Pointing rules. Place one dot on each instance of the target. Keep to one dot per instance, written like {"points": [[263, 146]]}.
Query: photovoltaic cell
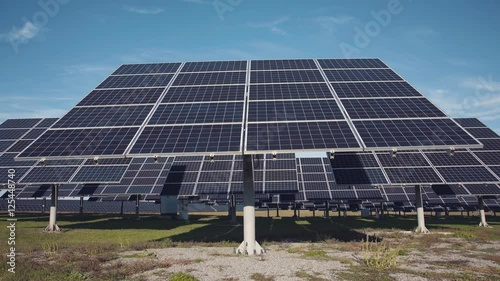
{"points": [[496, 170], [205, 94], [402, 160], [12, 134], [344, 194], [412, 175], [108, 116], [298, 136], [483, 189], [34, 134], [185, 139], [49, 175], [147, 68], [81, 142], [4, 145], [7, 160], [99, 173], [283, 64], [466, 174], [351, 63], [483, 133], [469, 122], [20, 145], [489, 158], [47, 122], [214, 66], [210, 78], [122, 96], [354, 160], [375, 90], [367, 194], [198, 113], [136, 81], [290, 91], [307, 110], [359, 176], [362, 75], [19, 123], [295, 76], [458, 159], [488, 144], [408, 133], [391, 108]]}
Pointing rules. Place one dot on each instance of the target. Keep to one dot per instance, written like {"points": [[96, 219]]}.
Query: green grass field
{"points": [[102, 236]]}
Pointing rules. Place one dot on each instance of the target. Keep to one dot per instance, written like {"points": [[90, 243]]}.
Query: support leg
{"points": [[483, 222], [420, 211], [327, 209], [121, 209], [81, 206], [277, 210], [249, 246], [53, 227], [314, 211], [298, 212], [137, 213], [232, 209], [294, 209]]}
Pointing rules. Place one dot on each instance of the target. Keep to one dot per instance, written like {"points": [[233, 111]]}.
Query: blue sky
{"points": [[51, 57]]}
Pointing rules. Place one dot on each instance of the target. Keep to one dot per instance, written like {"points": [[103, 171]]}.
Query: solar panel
{"points": [[135, 81], [391, 108], [99, 174], [46, 123], [4, 145], [214, 66], [205, 94], [470, 122], [402, 160], [466, 174], [283, 64], [483, 189], [107, 116], [295, 76], [362, 75], [351, 63], [20, 145], [458, 159], [344, 195], [49, 175], [210, 78], [34, 134], [483, 133], [122, 97], [375, 90], [12, 134], [412, 133], [147, 68], [198, 113], [19, 123], [359, 176], [496, 170], [489, 144], [369, 194], [290, 91], [354, 160], [489, 158], [412, 175], [307, 110]]}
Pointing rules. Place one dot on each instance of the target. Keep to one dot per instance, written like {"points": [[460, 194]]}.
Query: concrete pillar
{"points": [[53, 227], [420, 211], [249, 246], [483, 222]]}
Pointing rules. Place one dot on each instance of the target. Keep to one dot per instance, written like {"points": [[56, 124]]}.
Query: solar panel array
{"points": [[200, 108], [316, 180]]}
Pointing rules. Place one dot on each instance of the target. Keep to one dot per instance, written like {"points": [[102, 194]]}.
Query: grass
{"points": [[181, 276], [261, 277], [90, 241]]}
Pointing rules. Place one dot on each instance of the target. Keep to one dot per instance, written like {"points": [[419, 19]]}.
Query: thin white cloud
{"points": [[27, 32], [88, 69], [273, 26], [330, 23], [205, 2], [143, 11]]}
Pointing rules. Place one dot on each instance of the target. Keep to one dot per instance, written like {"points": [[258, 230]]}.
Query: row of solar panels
{"points": [[256, 107]]}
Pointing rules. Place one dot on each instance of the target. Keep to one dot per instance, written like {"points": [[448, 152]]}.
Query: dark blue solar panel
{"points": [[109, 116], [214, 176], [147, 68], [458, 159], [50, 174], [293, 136], [375, 89], [122, 96], [34, 134], [351, 63], [210, 78], [489, 158], [317, 195], [290, 91], [397, 198], [47, 122], [136, 81], [408, 133], [354, 160], [81, 142], [469, 122], [197, 113], [466, 174], [366, 194], [362, 75], [294, 110], [344, 194], [489, 144], [19, 123], [483, 189], [483, 133], [402, 160], [412, 175], [4, 145], [281, 187], [391, 108], [12, 134], [283, 64], [496, 170], [95, 174], [20, 145], [178, 139], [205, 94], [359, 176], [7, 160], [208, 66], [4, 174], [300, 76], [212, 188]]}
